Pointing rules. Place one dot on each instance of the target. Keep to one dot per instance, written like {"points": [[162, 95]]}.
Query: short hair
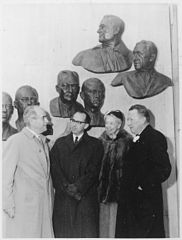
{"points": [[18, 92], [116, 22], [150, 46], [67, 74], [96, 80], [87, 117], [142, 110], [30, 111]]}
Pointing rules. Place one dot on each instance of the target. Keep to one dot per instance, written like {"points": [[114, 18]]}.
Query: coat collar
{"points": [[145, 132], [70, 142]]}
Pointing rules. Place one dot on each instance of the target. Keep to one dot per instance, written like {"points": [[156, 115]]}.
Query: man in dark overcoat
{"points": [[147, 165], [75, 166]]}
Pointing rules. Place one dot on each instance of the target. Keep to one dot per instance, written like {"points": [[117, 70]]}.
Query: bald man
{"points": [[144, 81], [68, 88], [93, 95], [25, 96], [112, 55], [7, 111]]}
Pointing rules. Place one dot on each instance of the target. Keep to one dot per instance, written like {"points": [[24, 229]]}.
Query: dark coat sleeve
{"points": [[157, 168], [57, 174], [91, 175]]}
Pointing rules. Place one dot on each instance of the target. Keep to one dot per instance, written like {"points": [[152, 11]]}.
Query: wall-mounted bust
{"points": [[25, 96], [112, 55], [68, 88], [7, 111], [144, 81], [93, 95]]}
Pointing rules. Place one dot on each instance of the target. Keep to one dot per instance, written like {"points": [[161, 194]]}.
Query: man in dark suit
{"points": [[147, 165], [144, 81], [75, 166]]}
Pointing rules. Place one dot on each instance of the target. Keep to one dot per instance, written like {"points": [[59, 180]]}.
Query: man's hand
{"points": [[73, 191], [72, 188], [10, 212]]}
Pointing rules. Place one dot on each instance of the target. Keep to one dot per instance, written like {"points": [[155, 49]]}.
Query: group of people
{"points": [[82, 186]]}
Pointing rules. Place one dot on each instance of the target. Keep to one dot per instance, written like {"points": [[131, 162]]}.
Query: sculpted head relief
{"points": [[111, 55]]}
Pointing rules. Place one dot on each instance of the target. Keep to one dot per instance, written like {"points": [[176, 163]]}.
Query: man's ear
{"points": [[82, 95], [116, 30], [152, 57], [86, 126], [16, 104], [57, 88]]}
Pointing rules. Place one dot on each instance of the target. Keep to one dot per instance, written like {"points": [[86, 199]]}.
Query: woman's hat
{"points": [[117, 113]]}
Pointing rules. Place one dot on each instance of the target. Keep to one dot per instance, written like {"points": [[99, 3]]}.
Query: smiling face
{"points": [[112, 125], [142, 57], [7, 108]]}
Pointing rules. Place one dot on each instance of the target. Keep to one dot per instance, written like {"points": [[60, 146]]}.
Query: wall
{"points": [[41, 39]]}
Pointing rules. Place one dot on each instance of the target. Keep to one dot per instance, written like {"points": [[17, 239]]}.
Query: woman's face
{"points": [[112, 124]]}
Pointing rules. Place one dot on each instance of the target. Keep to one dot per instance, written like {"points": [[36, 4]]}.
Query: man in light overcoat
{"points": [[27, 186]]}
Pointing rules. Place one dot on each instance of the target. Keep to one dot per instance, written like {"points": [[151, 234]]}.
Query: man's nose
{"points": [[69, 88], [98, 30], [46, 120], [29, 102]]}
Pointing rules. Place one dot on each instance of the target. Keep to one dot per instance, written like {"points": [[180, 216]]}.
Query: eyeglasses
{"points": [[6, 106], [75, 121]]}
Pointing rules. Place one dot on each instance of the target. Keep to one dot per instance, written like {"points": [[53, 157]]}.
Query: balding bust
{"points": [[112, 55], [144, 81]]}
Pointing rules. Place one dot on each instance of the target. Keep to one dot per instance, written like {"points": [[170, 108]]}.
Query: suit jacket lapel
{"points": [[38, 149]]}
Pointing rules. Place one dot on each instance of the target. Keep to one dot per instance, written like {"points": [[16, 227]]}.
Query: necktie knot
{"points": [[76, 140]]}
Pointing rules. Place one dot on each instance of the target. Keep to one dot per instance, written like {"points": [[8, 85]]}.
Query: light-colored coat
{"points": [[27, 186]]}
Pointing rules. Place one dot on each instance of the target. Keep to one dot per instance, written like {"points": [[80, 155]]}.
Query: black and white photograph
{"points": [[90, 119]]}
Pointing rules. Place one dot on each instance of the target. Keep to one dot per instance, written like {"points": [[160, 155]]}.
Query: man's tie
{"points": [[76, 140]]}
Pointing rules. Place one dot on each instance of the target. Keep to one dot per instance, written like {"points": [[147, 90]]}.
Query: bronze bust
{"points": [[93, 95], [144, 81], [68, 88], [112, 55], [7, 111], [25, 96]]}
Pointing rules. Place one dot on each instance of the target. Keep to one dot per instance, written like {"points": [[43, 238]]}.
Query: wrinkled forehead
{"points": [[6, 99], [26, 92], [69, 79]]}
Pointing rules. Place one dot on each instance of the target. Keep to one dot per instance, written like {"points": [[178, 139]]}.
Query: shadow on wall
{"points": [[168, 183]]}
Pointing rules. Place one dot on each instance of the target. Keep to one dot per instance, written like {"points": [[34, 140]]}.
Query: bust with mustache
{"points": [[68, 88]]}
